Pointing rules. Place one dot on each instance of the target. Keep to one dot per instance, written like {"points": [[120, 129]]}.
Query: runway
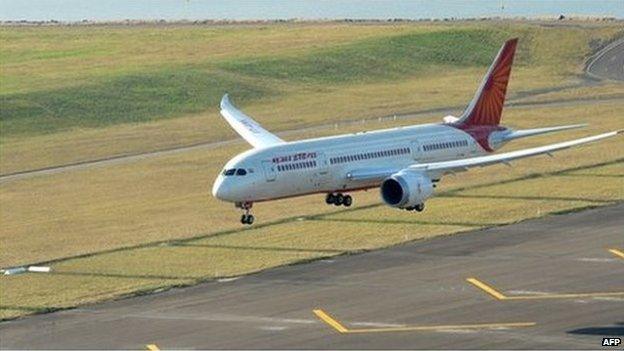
{"points": [[550, 283]]}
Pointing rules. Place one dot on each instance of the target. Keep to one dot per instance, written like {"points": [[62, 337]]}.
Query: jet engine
{"points": [[406, 189]]}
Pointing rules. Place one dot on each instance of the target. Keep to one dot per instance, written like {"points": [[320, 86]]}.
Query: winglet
{"points": [[246, 127], [225, 101]]}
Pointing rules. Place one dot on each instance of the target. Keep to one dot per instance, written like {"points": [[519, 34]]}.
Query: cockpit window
{"points": [[229, 172], [241, 172]]}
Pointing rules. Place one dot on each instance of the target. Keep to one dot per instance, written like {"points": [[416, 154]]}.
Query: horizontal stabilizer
{"points": [[516, 134]]}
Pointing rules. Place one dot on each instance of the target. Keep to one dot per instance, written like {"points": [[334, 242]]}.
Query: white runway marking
{"points": [[225, 280], [596, 259], [273, 328], [220, 317]]}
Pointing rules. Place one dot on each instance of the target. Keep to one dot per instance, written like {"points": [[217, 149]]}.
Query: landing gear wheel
{"points": [[247, 219], [330, 199], [420, 207], [338, 200], [347, 200]]}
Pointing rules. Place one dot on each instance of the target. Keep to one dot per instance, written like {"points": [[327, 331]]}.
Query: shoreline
{"points": [[225, 22]]}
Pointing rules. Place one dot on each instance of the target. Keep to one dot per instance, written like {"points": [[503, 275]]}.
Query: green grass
{"points": [[127, 99], [178, 90], [61, 79], [394, 57]]}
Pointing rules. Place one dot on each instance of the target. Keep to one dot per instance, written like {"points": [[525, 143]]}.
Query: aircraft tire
{"points": [[330, 199], [338, 200], [347, 201]]}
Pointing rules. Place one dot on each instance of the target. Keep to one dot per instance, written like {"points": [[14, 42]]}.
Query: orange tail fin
{"points": [[486, 107]]}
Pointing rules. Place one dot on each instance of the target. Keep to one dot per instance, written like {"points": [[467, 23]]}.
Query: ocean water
{"points": [[103, 10]]}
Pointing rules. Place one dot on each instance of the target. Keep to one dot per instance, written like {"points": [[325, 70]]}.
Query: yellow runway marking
{"points": [[488, 289], [500, 296], [329, 320], [152, 347], [344, 330], [617, 252]]}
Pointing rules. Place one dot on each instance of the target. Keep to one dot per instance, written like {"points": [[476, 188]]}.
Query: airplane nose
{"points": [[218, 190]]}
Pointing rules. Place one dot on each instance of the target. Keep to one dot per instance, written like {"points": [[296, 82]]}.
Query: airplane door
{"points": [[415, 150], [269, 170], [322, 164], [320, 178]]}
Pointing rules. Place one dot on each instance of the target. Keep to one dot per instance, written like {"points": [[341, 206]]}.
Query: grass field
{"points": [[72, 94]]}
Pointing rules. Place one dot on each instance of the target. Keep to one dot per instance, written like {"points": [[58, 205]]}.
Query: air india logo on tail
{"points": [[487, 107], [484, 113]]}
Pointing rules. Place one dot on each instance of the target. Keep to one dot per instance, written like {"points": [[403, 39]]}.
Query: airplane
{"points": [[405, 163]]}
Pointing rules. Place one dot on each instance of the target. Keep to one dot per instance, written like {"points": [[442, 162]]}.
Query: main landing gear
{"points": [[419, 208], [247, 217], [339, 199]]}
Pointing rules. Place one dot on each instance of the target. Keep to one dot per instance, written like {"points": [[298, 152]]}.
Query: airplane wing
{"points": [[481, 161], [437, 169], [246, 127]]}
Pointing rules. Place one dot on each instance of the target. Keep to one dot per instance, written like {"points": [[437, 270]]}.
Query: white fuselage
{"points": [[322, 165]]}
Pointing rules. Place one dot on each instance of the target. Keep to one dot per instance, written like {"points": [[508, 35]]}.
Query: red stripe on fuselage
{"points": [[481, 134]]}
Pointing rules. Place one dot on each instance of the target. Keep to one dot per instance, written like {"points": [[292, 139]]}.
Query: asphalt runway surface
{"points": [[609, 62], [549, 283]]}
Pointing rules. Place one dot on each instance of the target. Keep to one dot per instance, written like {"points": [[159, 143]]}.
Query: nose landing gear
{"points": [[339, 199], [419, 207], [247, 217]]}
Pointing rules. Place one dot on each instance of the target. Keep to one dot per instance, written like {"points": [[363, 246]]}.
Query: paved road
{"points": [[417, 284], [609, 62]]}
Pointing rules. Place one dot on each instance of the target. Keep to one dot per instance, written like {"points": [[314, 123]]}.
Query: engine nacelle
{"points": [[406, 188]]}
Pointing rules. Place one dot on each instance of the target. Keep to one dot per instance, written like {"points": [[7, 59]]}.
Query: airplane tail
{"points": [[486, 107]]}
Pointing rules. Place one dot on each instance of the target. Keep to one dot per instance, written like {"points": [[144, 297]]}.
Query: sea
{"points": [[246, 10]]}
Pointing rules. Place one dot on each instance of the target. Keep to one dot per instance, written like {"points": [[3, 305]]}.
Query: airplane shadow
{"points": [[614, 330]]}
